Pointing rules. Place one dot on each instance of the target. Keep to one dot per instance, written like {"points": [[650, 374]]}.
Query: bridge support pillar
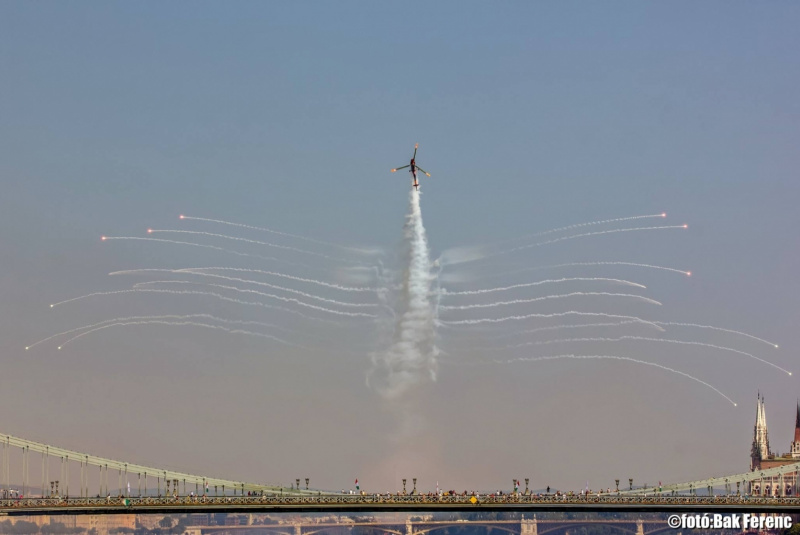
{"points": [[298, 529], [409, 527], [639, 527], [529, 526]]}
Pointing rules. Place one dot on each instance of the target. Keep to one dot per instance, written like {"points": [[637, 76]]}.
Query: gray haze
{"points": [[119, 117]]}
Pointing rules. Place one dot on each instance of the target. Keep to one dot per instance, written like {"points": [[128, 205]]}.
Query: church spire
{"points": [[760, 449], [796, 441], [797, 419]]}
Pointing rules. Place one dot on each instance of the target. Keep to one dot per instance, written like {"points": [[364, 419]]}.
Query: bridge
{"points": [[524, 526], [375, 503], [173, 492]]}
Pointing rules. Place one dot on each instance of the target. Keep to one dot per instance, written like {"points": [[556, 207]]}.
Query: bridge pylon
{"points": [[639, 527], [528, 526]]}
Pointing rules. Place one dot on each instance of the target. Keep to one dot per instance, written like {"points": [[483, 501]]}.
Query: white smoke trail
{"points": [[553, 315], [268, 285], [412, 354], [640, 338], [181, 323], [359, 250], [614, 357], [574, 264], [165, 316], [192, 292], [246, 240], [587, 234], [558, 328], [549, 297], [282, 288], [474, 256], [264, 294], [257, 271], [589, 224], [635, 264], [697, 326], [446, 293], [205, 246], [462, 277]]}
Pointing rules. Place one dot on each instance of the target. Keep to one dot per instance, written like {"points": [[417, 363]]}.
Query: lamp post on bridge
{"points": [[617, 483], [298, 484], [630, 482], [306, 483], [404, 486], [526, 484], [415, 485]]}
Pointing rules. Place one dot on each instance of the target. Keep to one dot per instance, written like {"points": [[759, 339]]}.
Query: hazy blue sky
{"points": [[118, 117]]}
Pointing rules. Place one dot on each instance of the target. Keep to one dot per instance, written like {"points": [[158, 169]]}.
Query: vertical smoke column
{"points": [[411, 356]]}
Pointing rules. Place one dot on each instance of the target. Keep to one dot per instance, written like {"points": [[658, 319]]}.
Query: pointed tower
{"points": [[760, 448], [765, 451], [796, 442]]}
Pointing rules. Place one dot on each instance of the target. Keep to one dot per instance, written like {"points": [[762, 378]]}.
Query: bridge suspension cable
{"points": [[725, 482], [164, 478]]}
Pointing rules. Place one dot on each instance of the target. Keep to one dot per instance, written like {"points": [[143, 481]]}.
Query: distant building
{"points": [[104, 523], [761, 457], [148, 521]]}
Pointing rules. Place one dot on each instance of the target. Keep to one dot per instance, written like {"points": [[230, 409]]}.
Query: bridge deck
{"points": [[374, 503]]}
